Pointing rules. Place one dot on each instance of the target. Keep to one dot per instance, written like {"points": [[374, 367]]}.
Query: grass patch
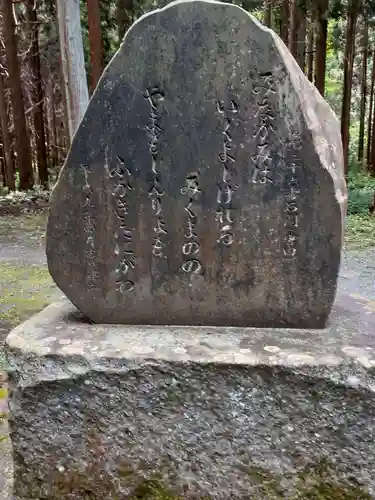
{"points": [[24, 291], [359, 232]]}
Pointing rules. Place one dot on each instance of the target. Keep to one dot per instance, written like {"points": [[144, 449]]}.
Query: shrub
{"points": [[361, 191]]}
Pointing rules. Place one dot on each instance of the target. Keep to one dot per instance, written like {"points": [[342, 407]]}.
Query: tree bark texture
{"points": [[7, 145], [267, 17], [73, 63], [96, 42], [22, 144], [37, 93], [371, 138], [353, 8], [122, 17], [321, 44], [371, 113], [362, 116], [301, 38], [284, 28], [311, 48], [293, 32]]}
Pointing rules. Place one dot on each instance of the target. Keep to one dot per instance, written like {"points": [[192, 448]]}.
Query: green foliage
{"points": [[361, 191]]}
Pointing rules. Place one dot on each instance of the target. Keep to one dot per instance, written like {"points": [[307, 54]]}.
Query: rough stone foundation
{"points": [[122, 412]]}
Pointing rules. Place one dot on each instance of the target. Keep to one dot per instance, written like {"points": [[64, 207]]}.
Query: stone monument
{"points": [[202, 200], [205, 184]]}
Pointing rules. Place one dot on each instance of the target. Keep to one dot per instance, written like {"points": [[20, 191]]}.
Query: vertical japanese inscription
{"points": [[291, 200], [122, 179], [262, 160], [191, 246], [89, 233], [225, 188], [155, 97]]}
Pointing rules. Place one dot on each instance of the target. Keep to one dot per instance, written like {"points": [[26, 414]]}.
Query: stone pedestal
{"points": [[125, 412]]}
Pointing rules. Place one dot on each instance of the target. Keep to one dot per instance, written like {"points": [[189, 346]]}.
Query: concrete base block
{"points": [[125, 412]]}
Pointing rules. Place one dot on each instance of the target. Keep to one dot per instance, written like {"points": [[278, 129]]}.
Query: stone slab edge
{"points": [[58, 343]]}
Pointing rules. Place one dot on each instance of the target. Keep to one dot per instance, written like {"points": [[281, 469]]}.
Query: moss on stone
{"points": [[153, 489], [316, 482]]}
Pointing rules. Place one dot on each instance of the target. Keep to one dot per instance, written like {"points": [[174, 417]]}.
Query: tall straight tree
{"points": [[37, 92], [122, 17], [310, 47], [284, 20], [73, 62], [293, 32], [362, 116], [22, 144], [371, 125], [371, 111], [301, 36], [267, 16], [7, 148], [96, 41], [353, 10], [321, 13]]}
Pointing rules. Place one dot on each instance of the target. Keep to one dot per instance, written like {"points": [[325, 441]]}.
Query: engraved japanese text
{"points": [[291, 201], [122, 180], [191, 246], [155, 97], [92, 274], [225, 187], [262, 159]]}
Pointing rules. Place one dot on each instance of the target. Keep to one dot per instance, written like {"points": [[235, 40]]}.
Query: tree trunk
{"points": [[96, 42], [22, 143], [371, 125], [7, 145], [123, 20], [65, 128], [301, 37], [2, 168], [73, 63], [46, 127], [310, 48], [371, 113], [37, 93], [353, 8], [52, 124], [362, 116], [321, 45], [284, 28], [293, 32], [267, 19], [371, 166]]}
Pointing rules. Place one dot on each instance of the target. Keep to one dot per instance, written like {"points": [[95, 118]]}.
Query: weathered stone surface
{"points": [[204, 185], [100, 411]]}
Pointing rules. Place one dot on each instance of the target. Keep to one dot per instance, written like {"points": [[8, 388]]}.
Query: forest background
{"points": [[333, 41]]}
